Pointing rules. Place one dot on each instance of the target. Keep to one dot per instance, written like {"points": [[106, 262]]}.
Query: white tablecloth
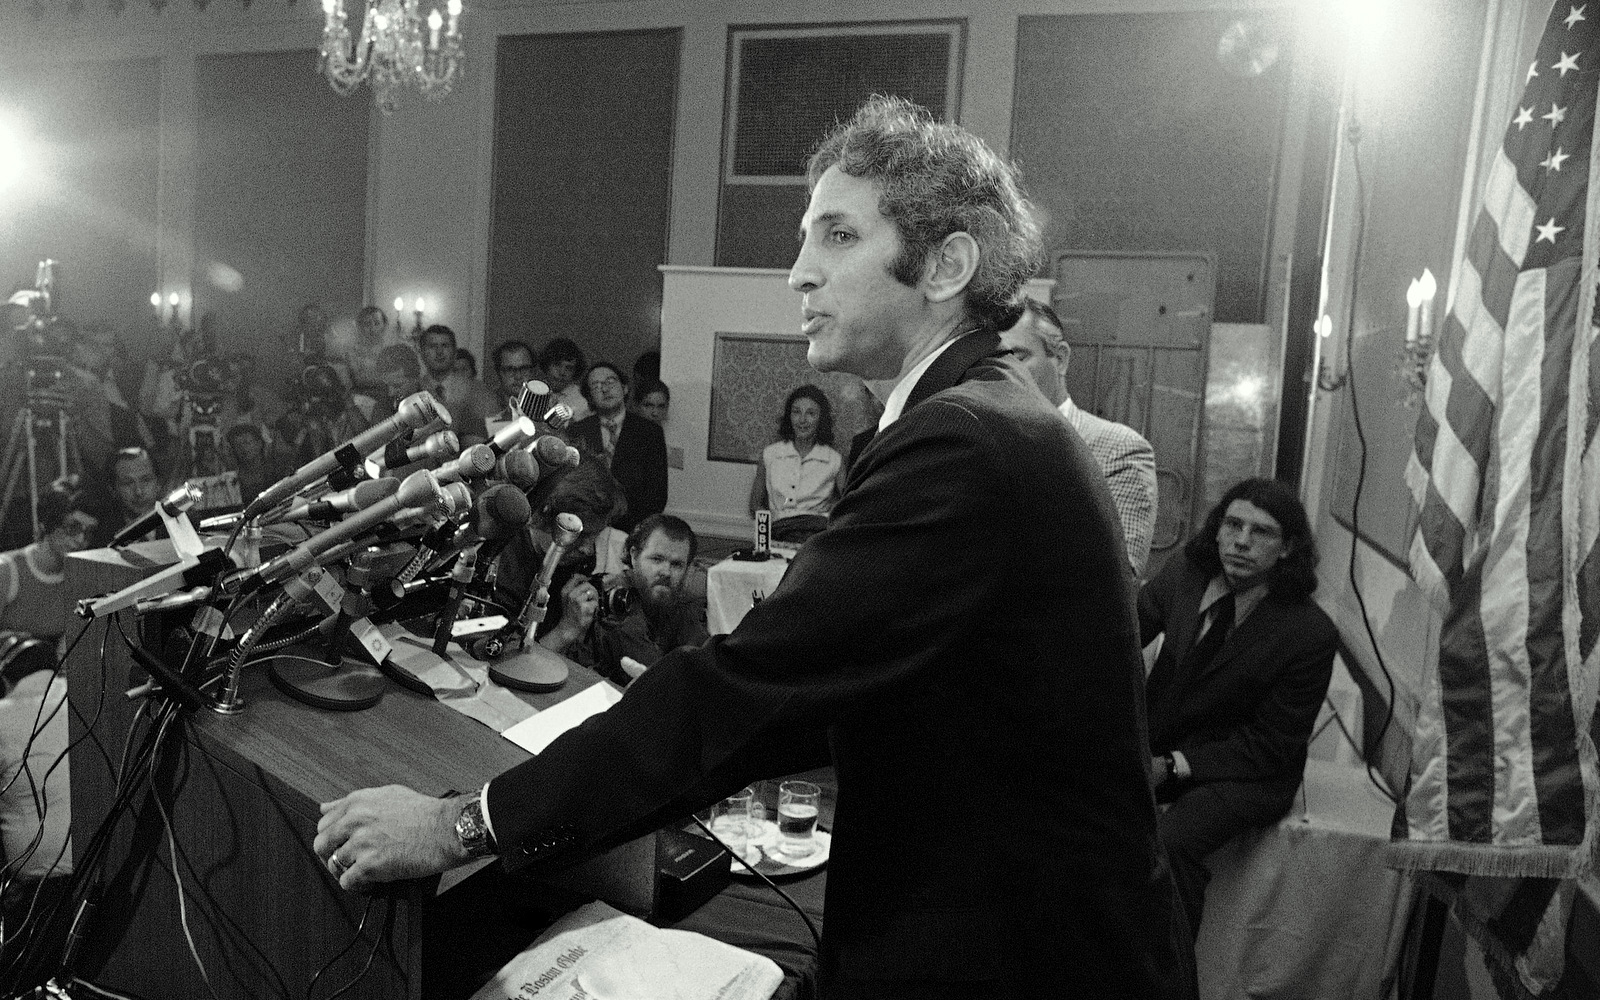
{"points": [[732, 586], [1307, 909]]}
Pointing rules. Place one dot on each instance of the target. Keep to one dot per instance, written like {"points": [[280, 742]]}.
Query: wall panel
{"points": [[582, 174], [280, 196]]}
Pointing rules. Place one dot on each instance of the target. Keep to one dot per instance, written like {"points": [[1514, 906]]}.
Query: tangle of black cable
{"points": [[128, 782], [1354, 136], [816, 937]]}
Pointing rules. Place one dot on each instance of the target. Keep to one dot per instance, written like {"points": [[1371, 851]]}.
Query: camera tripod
{"points": [[22, 452]]}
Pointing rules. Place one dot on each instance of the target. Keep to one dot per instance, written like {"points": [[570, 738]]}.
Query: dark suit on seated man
{"points": [[634, 448], [1240, 677]]}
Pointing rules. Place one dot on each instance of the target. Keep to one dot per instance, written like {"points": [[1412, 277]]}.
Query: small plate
{"points": [[761, 852]]}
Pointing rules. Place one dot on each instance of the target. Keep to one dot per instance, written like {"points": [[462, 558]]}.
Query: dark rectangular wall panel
{"points": [[280, 201], [582, 176], [84, 190], [1134, 136]]}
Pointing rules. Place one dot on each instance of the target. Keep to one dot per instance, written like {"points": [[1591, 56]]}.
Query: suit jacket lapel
{"points": [[948, 368]]}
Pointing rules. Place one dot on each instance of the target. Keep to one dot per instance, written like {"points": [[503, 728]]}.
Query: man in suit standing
{"points": [[1240, 677], [1126, 458], [995, 832], [633, 448]]}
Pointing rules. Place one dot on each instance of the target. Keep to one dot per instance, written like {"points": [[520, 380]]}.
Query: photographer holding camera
{"points": [[641, 622]]}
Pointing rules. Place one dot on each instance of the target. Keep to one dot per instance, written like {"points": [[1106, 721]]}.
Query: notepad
{"points": [[539, 731]]}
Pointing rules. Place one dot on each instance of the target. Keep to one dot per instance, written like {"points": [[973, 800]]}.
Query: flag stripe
{"points": [[1503, 597], [1468, 713], [1553, 736]]}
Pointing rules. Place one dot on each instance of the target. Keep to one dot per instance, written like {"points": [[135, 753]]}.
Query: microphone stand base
{"points": [[533, 669], [349, 686]]}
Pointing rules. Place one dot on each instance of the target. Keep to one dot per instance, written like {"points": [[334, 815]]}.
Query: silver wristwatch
{"points": [[471, 829]]}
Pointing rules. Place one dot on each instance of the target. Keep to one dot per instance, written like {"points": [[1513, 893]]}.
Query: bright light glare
{"points": [[1367, 26], [11, 157]]}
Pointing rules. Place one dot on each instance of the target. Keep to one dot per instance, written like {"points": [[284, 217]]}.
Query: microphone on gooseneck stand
{"points": [[513, 435], [419, 489], [460, 576], [435, 447], [178, 501], [414, 411], [532, 667], [473, 463], [358, 497]]}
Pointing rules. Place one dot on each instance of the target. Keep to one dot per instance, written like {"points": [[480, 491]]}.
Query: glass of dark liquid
{"points": [[798, 802]]}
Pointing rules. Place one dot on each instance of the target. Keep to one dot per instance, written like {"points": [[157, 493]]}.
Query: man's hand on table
{"points": [[386, 834]]}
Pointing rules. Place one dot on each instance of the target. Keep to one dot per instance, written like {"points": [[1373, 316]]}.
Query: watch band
{"points": [[471, 829]]}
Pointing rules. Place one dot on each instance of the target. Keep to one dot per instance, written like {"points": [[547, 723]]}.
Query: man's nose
{"points": [[803, 276]]}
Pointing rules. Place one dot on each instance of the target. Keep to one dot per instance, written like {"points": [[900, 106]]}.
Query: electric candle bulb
{"points": [[1428, 286], [172, 299], [435, 22], [419, 303], [155, 300], [1413, 311], [399, 305]]}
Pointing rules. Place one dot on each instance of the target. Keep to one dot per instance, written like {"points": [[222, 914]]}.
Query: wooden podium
{"points": [[243, 792]]}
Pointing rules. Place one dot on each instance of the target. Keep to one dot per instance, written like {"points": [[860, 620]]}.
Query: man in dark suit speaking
{"points": [[995, 832]]}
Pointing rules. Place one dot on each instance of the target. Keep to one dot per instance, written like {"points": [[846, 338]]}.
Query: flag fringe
{"points": [[1564, 862]]}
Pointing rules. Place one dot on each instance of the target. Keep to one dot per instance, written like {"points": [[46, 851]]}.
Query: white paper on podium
{"points": [[598, 953], [535, 733]]}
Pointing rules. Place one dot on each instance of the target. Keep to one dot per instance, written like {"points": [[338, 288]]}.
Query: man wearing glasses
{"points": [[1240, 677], [633, 448]]}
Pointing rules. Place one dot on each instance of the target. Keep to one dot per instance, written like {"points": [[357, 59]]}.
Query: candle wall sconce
{"points": [[418, 305], [1417, 351], [1328, 378]]}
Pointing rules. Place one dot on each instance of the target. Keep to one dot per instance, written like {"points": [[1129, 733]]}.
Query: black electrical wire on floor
{"points": [[1353, 134], [816, 937]]}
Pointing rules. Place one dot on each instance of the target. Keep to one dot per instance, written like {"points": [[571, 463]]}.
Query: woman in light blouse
{"points": [[801, 473]]}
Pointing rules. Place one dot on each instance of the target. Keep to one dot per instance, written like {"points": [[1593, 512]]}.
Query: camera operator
{"points": [[101, 417], [647, 618], [325, 415]]}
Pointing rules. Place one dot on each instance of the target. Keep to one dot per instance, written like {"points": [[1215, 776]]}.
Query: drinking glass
{"points": [[798, 802], [730, 820]]}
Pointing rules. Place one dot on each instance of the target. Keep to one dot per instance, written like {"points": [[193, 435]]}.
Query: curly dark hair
{"points": [[1295, 576], [587, 490], [824, 424], [939, 179]]}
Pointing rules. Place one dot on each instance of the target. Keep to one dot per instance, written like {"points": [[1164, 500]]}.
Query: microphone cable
{"points": [[816, 936]]}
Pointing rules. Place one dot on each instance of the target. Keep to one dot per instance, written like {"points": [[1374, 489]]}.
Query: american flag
{"points": [[1506, 478]]}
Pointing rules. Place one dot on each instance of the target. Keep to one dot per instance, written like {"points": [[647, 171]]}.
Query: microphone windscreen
{"points": [[502, 509], [370, 491], [551, 451], [520, 469]]}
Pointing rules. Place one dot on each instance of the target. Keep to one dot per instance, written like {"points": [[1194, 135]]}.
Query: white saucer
{"points": [[762, 853]]}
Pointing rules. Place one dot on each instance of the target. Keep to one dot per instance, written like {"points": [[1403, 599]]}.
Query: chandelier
{"points": [[396, 46]]}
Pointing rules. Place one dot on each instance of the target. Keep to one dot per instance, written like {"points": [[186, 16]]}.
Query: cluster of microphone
{"points": [[400, 509]]}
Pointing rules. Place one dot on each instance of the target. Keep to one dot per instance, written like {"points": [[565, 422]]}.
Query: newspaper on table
{"points": [[599, 953]]}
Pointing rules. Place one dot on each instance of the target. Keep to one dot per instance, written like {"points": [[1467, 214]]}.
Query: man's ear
{"points": [[950, 267]]}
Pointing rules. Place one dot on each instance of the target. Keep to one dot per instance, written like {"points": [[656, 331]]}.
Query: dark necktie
{"points": [[1200, 654]]}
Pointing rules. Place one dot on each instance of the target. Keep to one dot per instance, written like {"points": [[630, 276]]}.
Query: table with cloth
{"points": [[734, 585], [1307, 907]]}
